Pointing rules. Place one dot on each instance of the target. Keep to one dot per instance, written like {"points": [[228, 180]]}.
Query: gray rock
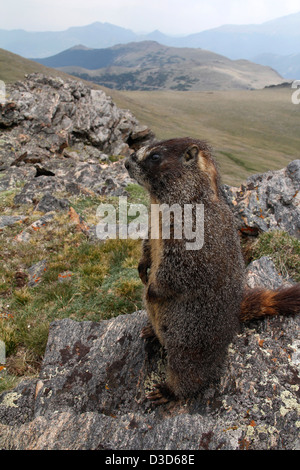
{"points": [[9, 220], [50, 203], [74, 179], [57, 134], [65, 276], [13, 177], [58, 116], [90, 393], [25, 235], [36, 272], [262, 273], [268, 201]]}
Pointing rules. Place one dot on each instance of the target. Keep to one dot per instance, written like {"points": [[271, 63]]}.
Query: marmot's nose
{"points": [[132, 157]]}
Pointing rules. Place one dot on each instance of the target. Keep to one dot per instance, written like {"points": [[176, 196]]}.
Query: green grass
{"points": [[104, 281], [282, 248], [14, 67], [137, 194]]}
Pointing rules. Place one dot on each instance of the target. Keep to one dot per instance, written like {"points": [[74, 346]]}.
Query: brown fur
{"points": [[259, 303], [195, 299], [206, 166]]}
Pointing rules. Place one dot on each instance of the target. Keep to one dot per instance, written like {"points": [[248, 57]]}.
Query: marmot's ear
{"points": [[191, 153]]}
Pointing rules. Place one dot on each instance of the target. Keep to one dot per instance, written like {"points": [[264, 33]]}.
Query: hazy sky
{"points": [[169, 16]]}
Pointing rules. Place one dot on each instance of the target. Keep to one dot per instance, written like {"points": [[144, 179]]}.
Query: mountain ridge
{"points": [[149, 65], [278, 36]]}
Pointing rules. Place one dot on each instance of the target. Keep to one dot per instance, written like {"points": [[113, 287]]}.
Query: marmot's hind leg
{"points": [[178, 385], [186, 377], [161, 394]]}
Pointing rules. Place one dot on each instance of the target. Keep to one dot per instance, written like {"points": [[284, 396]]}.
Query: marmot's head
{"points": [[177, 170]]}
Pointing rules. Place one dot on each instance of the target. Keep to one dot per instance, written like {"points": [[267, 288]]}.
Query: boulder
{"points": [[49, 203], [269, 201], [53, 113], [90, 393], [262, 273], [63, 131], [9, 220]]}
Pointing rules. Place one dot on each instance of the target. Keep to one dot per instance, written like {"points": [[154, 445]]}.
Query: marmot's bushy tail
{"points": [[259, 302]]}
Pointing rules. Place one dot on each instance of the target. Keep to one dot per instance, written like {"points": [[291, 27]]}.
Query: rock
{"points": [[12, 177], [90, 393], [25, 235], [17, 406], [262, 273], [50, 203], [57, 134], [78, 221], [66, 276], [268, 201], [81, 178], [9, 220], [36, 272], [61, 115]]}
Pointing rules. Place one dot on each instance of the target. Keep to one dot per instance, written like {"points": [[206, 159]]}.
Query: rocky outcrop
{"points": [[90, 393], [269, 201], [57, 136]]}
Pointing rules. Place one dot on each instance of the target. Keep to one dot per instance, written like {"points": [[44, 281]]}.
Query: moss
{"points": [[137, 194]]}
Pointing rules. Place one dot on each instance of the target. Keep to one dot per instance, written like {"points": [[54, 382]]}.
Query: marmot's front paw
{"points": [[152, 293], [143, 272], [147, 332]]}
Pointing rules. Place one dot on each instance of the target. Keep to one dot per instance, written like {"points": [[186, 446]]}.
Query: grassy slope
{"points": [[104, 281], [250, 131], [14, 67]]}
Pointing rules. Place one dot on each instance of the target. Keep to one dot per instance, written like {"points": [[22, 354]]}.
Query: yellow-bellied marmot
{"points": [[195, 299]]}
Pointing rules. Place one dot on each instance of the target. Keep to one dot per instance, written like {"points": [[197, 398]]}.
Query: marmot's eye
{"points": [[155, 157]]}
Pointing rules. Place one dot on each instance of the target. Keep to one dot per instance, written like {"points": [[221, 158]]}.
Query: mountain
{"points": [[280, 36], [149, 65], [287, 65], [277, 37], [42, 44]]}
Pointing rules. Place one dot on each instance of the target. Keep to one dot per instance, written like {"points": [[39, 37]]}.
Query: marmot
{"points": [[195, 299]]}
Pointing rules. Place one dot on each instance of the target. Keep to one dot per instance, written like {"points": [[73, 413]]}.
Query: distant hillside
{"points": [[250, 131], [149, 65], [14, 67]]}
